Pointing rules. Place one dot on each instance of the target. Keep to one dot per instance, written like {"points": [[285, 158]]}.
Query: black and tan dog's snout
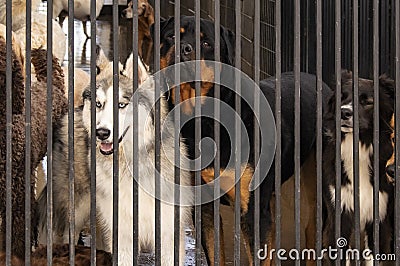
{"points": [[390, 172], [103, 133], [187, 51], [347, 113]]}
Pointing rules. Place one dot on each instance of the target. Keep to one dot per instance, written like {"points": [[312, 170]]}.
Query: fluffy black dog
{"points": [[366, 155]]}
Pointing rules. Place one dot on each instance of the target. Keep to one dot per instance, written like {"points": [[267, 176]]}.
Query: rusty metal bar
{"points": [[157, 136], [278, 119], [217, 131], [115, 189], [256, 46], [297, 137], [8, 132], [71, 142], [28, 216], [49, 132], [397, 130], [238, 133], [135, 149], [93, 219], [356, 133], [197, 136], [376, 126], [338, 168], [318, 243], [177, 117]]}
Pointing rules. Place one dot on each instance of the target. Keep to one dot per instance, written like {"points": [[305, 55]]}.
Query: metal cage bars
{"points": [[278, 67]]}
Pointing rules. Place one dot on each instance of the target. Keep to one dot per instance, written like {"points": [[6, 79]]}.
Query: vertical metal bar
{"points": [[71, 132], [397, 125], [93, 236], [392, 43], [49, 132], [278, 118], [135, 51], [297, 122], [28, 217], [356, 133], [157, 135], [256, 48], [9, 169], [338, 74], [319, 128], [376, 126], [115, 32], [197, 136], [217, 130], [238, 133], [177, 132]]}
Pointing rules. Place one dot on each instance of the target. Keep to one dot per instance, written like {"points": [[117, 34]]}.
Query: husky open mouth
{"points": [[106, 148]]}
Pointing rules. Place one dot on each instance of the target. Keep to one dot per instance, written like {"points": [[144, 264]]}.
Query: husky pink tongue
{"points": [[106, 146]]}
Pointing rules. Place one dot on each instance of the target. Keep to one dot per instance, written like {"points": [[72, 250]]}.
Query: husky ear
{"points": [[229, 39], [388, 85], [143, 73], [163, 24]]}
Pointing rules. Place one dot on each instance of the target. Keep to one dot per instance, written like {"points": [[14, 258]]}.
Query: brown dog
{"points": [[145, 20]]}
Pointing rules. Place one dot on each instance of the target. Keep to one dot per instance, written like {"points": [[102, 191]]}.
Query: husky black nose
{"points": [[102, 133], [186, 49], [390, 170], [347, 113]]}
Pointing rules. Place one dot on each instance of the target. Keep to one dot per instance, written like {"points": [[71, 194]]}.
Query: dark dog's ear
{"points": [[163, 24], [387, 84], [149, 11], [229, 39]]}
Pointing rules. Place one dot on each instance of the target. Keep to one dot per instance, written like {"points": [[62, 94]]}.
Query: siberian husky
{"points": [[146, 167], [146, 177]]}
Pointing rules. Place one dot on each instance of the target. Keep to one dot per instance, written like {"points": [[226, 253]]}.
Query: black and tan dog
{"points": [[187, 91]]}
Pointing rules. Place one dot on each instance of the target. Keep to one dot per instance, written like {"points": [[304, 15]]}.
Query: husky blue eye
{"points": [[98, 104], [122, 105]]}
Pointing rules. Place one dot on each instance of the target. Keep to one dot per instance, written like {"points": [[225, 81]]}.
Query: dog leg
{"points": [[248, 228], [167, 236], [207, 234]]}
